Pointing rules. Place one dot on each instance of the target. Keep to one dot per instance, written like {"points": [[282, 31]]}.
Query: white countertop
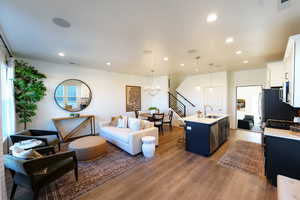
{"points": [[203, 120], [275, 132], [288, 189]]}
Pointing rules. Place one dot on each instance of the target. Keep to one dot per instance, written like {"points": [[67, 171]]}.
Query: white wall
{"points": [[251, 95], [275, 74], [196, 89], [242, 78], [175, 81], [108, 92]]}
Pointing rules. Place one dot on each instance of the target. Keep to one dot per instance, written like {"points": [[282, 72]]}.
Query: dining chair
{"points": [[169, 118], [136, 112], [158, 120]]}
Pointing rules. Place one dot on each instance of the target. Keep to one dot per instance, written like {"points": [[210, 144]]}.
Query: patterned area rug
{"points": [[245, 156], [91, 175]]}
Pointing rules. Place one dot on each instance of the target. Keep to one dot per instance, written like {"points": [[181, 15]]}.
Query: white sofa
{"points": [[127, 139]]}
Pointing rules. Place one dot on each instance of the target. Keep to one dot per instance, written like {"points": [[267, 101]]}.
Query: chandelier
{"points": [[153, 89]]}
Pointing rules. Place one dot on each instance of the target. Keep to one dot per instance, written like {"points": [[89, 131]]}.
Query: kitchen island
{"points": [[205, 135], [281, 154]]}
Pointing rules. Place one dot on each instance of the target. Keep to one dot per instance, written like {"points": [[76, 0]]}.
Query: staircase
{"points": [[185, 99], [176, 105], [180, 104]]}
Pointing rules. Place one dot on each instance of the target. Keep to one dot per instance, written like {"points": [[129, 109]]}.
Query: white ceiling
{"points": [[119, 31]]}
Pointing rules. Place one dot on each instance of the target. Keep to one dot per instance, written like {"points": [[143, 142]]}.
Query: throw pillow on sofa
{"points": [[114, 121], [147, 124], [134, 124], [122, 122]]}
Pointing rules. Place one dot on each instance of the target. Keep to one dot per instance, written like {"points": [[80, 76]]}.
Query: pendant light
{"points": [[153, 89]]}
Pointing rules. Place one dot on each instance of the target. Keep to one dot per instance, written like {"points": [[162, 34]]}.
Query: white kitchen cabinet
{"points": [[214, 96], [292, 71], [275, 74]]}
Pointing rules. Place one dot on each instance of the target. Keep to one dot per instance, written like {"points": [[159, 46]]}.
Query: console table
{"points": [[66, 135]]}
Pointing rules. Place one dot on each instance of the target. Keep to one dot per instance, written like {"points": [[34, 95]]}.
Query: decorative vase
{"points": [[148, 150], [199, 114], [148, 147]]}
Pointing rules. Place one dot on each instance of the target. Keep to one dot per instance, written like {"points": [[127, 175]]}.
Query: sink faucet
{"points": [[205, 109]]}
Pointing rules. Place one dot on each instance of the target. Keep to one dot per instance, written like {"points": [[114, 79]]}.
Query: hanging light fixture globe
{"points": [[153, 89]]}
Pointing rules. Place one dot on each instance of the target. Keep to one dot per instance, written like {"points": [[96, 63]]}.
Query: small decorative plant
{"points": [[29, 89], [152, 108]]}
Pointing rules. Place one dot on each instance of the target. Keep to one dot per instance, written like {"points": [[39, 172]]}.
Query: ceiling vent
{"points": [[61, 22], [282, 4]]}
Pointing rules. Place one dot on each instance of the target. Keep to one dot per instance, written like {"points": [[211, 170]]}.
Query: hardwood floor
{"points": [[177, 174]]}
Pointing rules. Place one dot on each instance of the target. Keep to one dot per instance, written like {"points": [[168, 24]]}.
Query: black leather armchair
{"points": [[39, 172], [247, 122], [49, 138]]}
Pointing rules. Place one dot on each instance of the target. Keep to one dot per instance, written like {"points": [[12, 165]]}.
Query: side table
{"points": [[148, 146]]}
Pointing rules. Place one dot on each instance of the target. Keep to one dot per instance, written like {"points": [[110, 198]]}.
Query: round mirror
{"points": [[73, 95]]}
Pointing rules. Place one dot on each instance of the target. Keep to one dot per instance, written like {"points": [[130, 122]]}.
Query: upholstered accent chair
{"points": [[247, 122], [49, 138], [37, 173]]}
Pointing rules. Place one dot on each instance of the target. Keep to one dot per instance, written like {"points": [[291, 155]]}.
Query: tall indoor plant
{"points": [[29, 89]]}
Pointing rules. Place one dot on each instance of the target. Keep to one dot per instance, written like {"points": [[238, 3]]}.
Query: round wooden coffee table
{"points": [[88, 148]]}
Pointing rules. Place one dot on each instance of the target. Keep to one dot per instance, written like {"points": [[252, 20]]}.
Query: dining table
{"points": [[147, 116]]}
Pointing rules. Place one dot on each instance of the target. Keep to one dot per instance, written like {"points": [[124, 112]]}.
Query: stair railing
{"points": [[177, 105], [185, 99]]}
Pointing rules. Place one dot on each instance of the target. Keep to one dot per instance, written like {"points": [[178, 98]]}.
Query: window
{"points": [[72, 91], [7, 98], [60, 95]]}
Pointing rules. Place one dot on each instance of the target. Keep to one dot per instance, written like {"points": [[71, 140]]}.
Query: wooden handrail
{"points": [[186, 99]]}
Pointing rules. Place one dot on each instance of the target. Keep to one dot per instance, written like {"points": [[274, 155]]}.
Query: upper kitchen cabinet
{"points": [[291, 89], [275, 74]]}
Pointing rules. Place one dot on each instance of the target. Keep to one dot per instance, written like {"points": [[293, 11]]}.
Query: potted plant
{"points": [[29, 90], [152, 109]]}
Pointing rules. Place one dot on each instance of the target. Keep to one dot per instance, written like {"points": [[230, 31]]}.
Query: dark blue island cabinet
{"points": [[205, 138], [282, 157]]}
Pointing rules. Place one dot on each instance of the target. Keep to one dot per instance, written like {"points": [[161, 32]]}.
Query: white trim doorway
{"points": [[248, 107]]}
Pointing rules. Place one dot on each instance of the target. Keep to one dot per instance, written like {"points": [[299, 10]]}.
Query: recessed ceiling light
{"points": [[165, 58], [239, 52], [229, 40], [108, 63], [197, 70], [245, 61], [182, 64], [212, 17], [61, 54]]}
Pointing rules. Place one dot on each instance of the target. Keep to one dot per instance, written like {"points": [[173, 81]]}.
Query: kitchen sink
{"points": [[212, 116]]}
